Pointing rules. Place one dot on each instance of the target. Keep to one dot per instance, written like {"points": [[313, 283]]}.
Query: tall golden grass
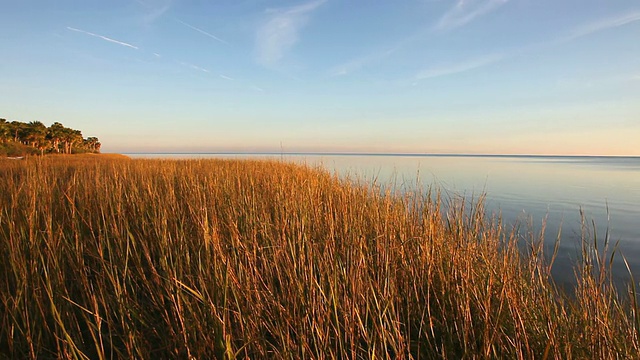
{"points": [[263, 259]]}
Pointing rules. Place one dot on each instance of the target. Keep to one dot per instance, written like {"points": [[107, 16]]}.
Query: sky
{"points": [[406, 76]]}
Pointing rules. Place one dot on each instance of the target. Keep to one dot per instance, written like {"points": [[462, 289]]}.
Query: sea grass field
{"points": [[320, 179], [106, 257], [569, 198]]}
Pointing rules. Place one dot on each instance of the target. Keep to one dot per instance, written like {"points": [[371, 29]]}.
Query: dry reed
{"points": [[264, 259]]}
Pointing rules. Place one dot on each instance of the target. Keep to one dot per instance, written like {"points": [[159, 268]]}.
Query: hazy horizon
{"points": [[417, 76], [356, 153]]}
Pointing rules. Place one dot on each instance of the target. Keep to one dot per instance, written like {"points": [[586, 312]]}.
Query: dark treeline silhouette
{"points": [[20, 138]]}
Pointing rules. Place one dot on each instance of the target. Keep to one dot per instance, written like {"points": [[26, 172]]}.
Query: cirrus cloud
{"points": [[459, 67], [465, 11], [603, 24], [280, 32]]}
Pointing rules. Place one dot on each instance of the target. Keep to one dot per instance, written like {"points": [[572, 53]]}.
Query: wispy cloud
{"points": [[575, 33], [155, 9], [201, 31], [601, 25], [358, 63], [465, 11], [281, 31], [226, 77], [464, 66], [583, 31], [103, 38], [257, 88]]}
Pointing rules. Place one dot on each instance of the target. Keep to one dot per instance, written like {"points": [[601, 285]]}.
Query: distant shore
{"points": [[102, 156], [275, 153]]}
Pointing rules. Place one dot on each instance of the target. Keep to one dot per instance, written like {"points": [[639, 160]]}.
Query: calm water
{"points": [[524, 189]]}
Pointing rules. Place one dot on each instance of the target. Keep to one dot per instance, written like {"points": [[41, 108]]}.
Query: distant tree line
{"points": [[18, 137]]}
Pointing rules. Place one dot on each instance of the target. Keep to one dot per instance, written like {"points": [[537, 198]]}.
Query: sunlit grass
{"points": [[262, 259]]}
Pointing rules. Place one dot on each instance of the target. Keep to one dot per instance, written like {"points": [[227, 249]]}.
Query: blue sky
{"points": [[435, 76]]}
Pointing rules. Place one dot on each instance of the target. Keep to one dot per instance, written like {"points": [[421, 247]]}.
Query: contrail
{"points": [[201, 31], [103, 38], [194, 67]]}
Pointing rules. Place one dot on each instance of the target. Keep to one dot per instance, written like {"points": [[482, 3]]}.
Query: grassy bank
{"points": [[223, 259], [16, 149]]}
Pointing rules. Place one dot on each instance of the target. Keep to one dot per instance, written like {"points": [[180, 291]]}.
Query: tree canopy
{"points": [[21, 138]]}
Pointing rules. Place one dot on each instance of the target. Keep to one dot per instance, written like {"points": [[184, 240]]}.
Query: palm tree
{"points": [[56, 137], [16, 129], [55, 134], [92, 144], [70, 139], [35, 133]]}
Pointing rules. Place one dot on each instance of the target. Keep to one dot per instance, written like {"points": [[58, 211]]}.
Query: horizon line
{"points": [[347, 153]]}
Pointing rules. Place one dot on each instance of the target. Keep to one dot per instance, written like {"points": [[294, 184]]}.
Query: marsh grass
{"points": [[263, 259]]}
